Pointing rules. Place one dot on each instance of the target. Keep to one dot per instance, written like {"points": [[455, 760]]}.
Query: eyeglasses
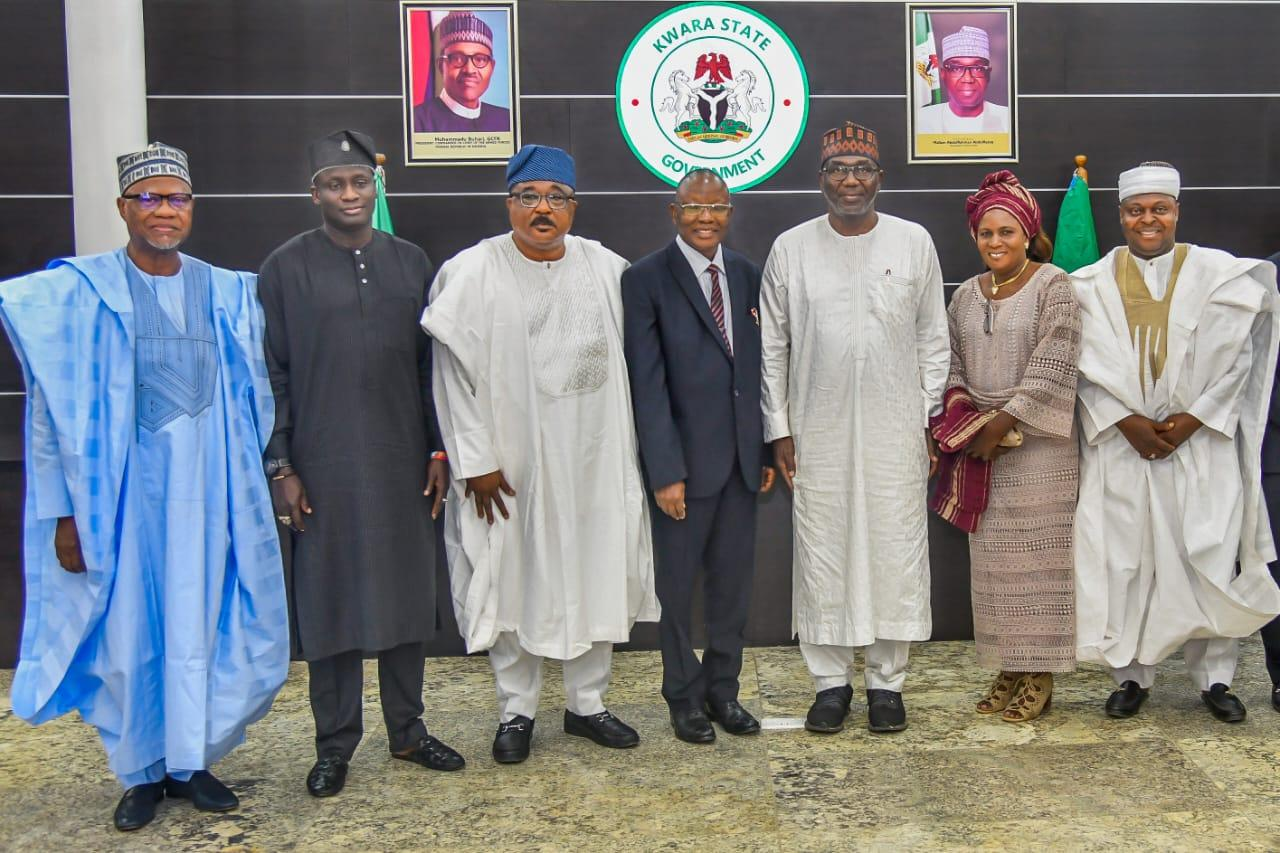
{"points": [[555, 200], [152, 201], [975, 71], [693, 211], [459, 60], [838, 172]]}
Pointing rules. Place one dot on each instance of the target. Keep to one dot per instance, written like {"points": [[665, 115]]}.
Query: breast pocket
{"points": [[893, 297]]}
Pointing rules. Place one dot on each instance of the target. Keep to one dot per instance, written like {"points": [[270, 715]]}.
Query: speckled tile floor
{"points": [[1170, 779]]}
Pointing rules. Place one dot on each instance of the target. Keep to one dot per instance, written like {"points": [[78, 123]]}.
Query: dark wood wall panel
{"points": [[336, 64], [46, 131], [12, 490], [1103, 47], [34, 59], [33, 231]]}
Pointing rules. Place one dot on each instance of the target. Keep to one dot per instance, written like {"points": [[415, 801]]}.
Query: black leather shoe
{"points": [[1126, 701], [137, 807], [511, 745], [1223, 704], [204, 791], [433, 754], [603, 728], [328, 776], [826, 714], [692, 726], [885, 711], [732, 717], [1275, 696]]}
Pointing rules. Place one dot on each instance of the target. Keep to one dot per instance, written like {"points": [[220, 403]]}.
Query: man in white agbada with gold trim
{"points": [[855, 355], [1177, 358], [547, 531]]}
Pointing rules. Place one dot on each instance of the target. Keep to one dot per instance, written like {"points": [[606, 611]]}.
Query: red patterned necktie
{"points": [[717, 304]]}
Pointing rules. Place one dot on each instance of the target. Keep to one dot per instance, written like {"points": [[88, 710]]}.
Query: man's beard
{"points": [[172, 247]]}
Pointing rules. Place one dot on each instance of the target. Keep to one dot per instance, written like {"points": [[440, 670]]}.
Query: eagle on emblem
{"points": [[714, 64], [714, 106]]}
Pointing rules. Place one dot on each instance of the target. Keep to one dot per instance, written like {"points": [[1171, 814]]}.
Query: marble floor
{"points": [[1172, 778]]}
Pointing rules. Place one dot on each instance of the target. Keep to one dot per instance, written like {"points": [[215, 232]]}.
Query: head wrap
{"points": [[967, 41], [341, 148], [1150, 178], [157, 160], [850, 139], [541, 163], [1003, 190], [463, 26]]}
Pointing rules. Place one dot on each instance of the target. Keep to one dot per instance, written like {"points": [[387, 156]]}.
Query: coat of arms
{"points": [[715, 106]]}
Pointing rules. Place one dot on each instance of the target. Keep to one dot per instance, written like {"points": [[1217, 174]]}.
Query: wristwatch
{"points": [[273, 466]]}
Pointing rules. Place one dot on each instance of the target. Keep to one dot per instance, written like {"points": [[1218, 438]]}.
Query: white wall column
{"points": [[107, 84]]}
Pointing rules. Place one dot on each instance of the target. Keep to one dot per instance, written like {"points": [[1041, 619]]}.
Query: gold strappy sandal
{"points": [[1000, 694], [1035, 694]]}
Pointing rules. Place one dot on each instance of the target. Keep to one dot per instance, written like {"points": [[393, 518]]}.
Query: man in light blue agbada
{"points": [[155, 596]]}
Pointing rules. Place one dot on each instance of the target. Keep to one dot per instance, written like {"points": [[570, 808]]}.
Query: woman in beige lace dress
{"points": [[1015, 337]]}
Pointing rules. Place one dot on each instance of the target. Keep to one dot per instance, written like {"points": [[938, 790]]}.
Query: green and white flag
{"points": [[381, 211], [1076, 243], [925, 62]]}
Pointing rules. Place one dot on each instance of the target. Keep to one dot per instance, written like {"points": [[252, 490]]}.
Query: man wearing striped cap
{"points": [[465, 63], [855, 355], [155, 598], [966, 73], [547, 534]]}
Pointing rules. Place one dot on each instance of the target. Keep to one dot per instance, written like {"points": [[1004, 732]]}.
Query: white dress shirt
{"points": [[700, 262], [457, 108], [1155, 273]]}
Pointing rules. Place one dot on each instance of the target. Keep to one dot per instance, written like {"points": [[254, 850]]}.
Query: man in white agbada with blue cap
{"points": [[1177, 357], [155, 594], [965, 68], [547, 531]]}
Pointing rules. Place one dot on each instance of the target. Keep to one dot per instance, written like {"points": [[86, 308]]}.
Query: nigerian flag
{"points": [[1076, 243], [925, 62], [381, 212]]}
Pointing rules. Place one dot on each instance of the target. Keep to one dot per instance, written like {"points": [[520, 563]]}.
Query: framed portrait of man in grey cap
{"points": [[961, 83], [461, 90]]}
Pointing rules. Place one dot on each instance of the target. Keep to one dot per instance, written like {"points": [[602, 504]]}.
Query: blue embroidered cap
{"points": [[541, 163]]}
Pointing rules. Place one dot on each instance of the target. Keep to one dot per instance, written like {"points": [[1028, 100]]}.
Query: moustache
{"points": [[542, 220]]}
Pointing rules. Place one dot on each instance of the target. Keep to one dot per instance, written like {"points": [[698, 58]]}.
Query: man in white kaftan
{"points": [[1176, 364], [855, 357], [554, 560]]}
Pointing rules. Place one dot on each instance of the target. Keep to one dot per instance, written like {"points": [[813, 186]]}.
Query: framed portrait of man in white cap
{"points": [[961, 83], [461, 96]]}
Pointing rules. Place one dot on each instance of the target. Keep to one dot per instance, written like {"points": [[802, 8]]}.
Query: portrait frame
{"points": [[440, 130], [939, 131]]}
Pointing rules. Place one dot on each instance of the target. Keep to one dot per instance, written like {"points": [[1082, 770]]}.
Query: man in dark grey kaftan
{"points": [[351, 463]]}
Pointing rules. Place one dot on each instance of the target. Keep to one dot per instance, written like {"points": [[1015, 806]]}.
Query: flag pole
{"points": [[381, 210]]}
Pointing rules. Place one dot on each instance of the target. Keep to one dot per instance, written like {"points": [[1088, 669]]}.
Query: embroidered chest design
{"points": [[176, 371]]}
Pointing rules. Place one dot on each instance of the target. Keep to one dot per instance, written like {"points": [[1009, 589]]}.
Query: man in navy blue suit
{"points": [[1271, 491], [692, 341]]}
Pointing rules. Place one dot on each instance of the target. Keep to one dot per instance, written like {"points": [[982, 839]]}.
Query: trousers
{"points": [[517, 674], [337, 692], [886, 664]]}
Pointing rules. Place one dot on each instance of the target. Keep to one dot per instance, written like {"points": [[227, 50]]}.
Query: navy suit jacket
{"points": [[697, 408], [1271, 437]]}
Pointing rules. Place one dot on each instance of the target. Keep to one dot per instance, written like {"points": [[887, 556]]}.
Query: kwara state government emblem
{"points": [[714, 107], [716, 86]]}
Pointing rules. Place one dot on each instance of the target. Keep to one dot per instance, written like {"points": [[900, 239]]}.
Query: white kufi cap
{"points": [[967, 41], [1144, 179]]}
